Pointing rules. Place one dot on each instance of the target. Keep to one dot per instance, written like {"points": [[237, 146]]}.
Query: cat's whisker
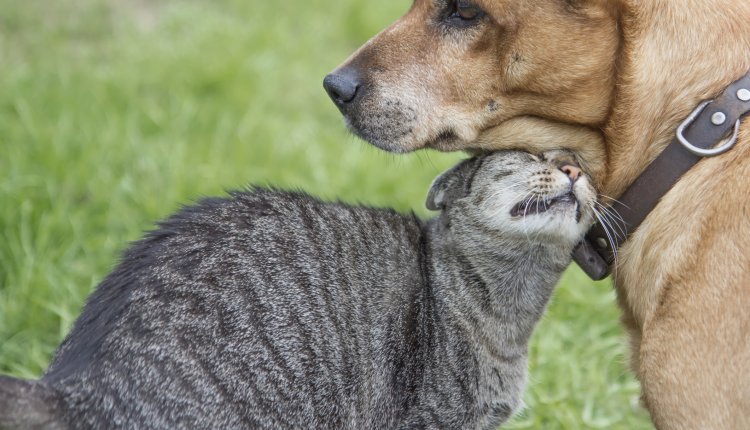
{"points": [[538, 199], [610, 210], [528, 195], [608, 227], [612, 199], [497, 193], [599, 218], [615, 219], [514, 185], [606, 230]]}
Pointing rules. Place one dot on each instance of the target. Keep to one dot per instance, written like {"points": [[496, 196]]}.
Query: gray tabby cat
{"points": [[274, 310]]}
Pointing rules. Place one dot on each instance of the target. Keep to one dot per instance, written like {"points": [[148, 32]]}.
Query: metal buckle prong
{"points": [[701, 152]]}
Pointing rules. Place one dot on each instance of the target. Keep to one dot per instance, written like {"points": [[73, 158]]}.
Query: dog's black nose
{"points": [[342, 86]]}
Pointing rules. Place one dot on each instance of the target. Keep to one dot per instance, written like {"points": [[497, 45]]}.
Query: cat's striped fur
{"points": [[274, 310]]}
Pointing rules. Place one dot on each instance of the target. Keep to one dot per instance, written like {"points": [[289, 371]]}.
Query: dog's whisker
{"points": [[429, 160]]}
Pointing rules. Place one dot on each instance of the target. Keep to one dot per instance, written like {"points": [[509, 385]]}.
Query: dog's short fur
{"points": [[622, 73]]}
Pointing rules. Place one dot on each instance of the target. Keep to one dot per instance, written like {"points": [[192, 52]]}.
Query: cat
{"points": [[273, 310]]}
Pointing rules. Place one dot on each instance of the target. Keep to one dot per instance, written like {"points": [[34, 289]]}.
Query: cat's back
{"points": [[232, 310]]}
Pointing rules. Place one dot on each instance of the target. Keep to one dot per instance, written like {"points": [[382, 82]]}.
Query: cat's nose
{"points": [[573, 171]]}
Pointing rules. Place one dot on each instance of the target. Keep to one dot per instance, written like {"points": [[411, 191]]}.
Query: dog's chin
{"points": [[386, 143], [446, 141], [402, 133], [396, 137]]}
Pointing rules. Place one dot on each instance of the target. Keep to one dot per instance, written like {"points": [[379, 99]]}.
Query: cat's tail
{"points": [[26, 405]]}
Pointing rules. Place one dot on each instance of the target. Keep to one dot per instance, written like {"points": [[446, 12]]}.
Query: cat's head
{"points": [[518, 195]]}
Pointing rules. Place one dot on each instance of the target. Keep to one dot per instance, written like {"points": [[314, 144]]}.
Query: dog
{"points": [[612, 79]]}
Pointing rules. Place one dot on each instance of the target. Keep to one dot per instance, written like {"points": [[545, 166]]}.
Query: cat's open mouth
{"points": [[535, 205]]}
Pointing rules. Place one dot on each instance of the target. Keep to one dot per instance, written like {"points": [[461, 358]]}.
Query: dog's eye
{"points": [[465, 11]]}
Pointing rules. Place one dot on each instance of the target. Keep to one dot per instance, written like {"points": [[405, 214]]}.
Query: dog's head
{"points": [[449, 70]]}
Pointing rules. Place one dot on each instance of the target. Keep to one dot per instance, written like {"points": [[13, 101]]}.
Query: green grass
{"points": [[114, 113]]}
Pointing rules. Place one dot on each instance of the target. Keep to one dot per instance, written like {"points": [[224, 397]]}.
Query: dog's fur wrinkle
{"points": [[614, 78]]}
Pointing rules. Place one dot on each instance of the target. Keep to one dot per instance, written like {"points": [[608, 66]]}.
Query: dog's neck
{"points": [[672, 58]]}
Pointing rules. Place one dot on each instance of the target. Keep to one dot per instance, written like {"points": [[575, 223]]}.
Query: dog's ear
{"points": [[453, 184]]}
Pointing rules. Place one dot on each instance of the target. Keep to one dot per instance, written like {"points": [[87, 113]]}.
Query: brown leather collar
{"points": [[710, 123]]}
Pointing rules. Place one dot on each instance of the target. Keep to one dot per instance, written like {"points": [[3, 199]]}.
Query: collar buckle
{"points": [[703, 152]]}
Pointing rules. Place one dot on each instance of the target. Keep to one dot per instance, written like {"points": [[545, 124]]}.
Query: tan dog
{"points": [[610, 80]]}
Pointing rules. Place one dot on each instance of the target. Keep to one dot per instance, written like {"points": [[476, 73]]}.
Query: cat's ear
{"points": [[453, 184]]}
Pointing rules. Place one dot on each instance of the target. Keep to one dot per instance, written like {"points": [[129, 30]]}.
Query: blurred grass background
{"points": [[114, 113]]}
